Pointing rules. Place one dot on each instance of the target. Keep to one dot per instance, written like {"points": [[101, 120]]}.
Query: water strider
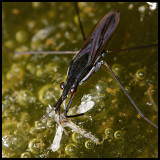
{"points": [[88, 61]]}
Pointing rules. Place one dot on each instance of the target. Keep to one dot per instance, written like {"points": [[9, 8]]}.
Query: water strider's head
{"points": [[68, 89]]}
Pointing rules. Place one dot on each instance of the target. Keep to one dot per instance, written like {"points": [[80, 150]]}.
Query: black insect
{"points": [[88, 61]]}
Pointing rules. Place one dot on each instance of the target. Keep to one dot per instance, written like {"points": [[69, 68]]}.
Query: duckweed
{"points": [[40, 72], [15, 73], [26, 155], [25, 97], [25, 117], [140, 74], [77, 138], [89, 144], [31, 68], [118, 134], [33, 130], [51, 67], [117, 69], [71, 149], [21, 36], [48, 93], [50, 123], [109, 132], [36, 146], [39, 124], [127, 88]]}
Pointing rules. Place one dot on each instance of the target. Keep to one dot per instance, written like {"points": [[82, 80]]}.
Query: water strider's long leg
{"points": [[75, 52], [68, 106], [79, 20], [131, 48], [39, 52], [77, 115], [131, 100]]}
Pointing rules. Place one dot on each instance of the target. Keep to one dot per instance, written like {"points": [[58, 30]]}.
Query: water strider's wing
{"points": [[99, 37]]}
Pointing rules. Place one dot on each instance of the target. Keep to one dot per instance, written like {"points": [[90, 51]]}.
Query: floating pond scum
{"points": [[30, 83]]}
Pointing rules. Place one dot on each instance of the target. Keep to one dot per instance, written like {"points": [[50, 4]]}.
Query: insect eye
{"points": [[62, 85], [73, 90]]}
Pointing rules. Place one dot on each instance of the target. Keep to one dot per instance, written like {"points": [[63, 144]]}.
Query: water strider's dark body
{"points": [[87, 60]]}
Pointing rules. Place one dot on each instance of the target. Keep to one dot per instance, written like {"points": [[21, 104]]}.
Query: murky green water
{"points": [[31, 82]]}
